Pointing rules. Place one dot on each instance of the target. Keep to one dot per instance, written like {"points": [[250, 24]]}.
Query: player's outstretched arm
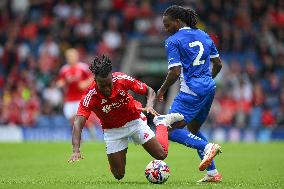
{"points": [[171, 78], [60, 83], [79, 123], [217, 65], [151, 96]]}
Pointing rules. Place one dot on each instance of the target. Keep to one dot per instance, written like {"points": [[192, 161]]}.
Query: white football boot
{"points": [[209, 178], [168, 119]]}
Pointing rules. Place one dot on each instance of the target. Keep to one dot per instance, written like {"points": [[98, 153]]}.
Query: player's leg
{"points": [[190, 106], [207, 162], [211, 169], [117, 162], [204, 107], [116, 152], [163, 122], [155, 149], [181, 136], [142, 134], [116, 141], [207, 150], [186, 138], [194, 126]]}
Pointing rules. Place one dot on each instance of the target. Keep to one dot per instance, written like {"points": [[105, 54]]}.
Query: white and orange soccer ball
{"points": [[157, 172]]}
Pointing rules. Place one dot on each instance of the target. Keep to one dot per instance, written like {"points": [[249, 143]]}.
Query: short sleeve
{"points": [[130, 83], [173, 54], [137, 86], [84, 108], [213, 51], [83, 111]]}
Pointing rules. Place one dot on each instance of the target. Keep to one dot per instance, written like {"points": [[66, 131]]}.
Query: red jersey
{"points": [[73, 75], [116, 110]]}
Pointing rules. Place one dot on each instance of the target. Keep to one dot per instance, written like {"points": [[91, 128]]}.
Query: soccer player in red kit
{"points": [[119, 113], [74, 78]]}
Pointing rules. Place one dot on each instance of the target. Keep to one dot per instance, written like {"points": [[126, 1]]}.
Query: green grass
{"points": [[44, 165]]}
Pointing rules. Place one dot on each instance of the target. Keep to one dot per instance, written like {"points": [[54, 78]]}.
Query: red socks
{"points": [[162, 136]]}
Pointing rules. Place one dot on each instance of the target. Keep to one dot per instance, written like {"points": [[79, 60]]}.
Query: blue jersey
{"points": [[192, 49]]}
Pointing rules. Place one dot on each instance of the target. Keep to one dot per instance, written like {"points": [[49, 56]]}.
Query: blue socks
{"points": [[186, 138], [201, 153]]}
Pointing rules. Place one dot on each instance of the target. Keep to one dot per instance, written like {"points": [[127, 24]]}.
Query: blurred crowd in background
{"points": [[35, 33]]}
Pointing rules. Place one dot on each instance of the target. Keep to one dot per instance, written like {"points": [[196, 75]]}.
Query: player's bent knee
{"points": [[118, 176], [162, 155]]}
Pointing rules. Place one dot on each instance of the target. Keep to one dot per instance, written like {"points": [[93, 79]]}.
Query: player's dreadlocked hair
{"points": [[101, 66], [186, 15]]}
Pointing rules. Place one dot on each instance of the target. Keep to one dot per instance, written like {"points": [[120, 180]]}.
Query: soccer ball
{"points": [[157, 172]]}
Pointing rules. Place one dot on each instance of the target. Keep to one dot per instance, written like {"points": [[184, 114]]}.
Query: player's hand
{"points": [[150, 110], [81, 85], [84, 84], [76, 156], [160, 95]]}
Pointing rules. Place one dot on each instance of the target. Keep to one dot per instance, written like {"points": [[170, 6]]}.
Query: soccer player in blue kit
{"points": [[189, 52]]}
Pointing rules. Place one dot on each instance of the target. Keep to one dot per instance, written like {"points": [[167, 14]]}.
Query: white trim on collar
{"points": [[184, 28]]}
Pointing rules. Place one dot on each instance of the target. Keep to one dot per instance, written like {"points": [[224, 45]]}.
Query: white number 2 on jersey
{"points": [[197, 61]]}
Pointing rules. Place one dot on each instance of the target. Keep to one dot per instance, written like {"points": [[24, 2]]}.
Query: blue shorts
{"points": [[192, 107]]}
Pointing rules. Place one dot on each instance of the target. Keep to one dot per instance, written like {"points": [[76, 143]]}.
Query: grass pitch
{"points": [[44, 165]]}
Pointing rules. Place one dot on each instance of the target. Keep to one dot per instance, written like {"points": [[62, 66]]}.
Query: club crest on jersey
{"points": [[122, 93], [103, 101]]}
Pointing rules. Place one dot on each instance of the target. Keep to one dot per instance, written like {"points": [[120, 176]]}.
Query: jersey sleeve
{"points": [[83, 111], [135, 85], [84, 108], [213, 51], [173, 54]]}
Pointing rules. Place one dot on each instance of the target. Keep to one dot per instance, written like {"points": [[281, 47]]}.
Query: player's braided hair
{"points": [[101, 66], [186, 15]]}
